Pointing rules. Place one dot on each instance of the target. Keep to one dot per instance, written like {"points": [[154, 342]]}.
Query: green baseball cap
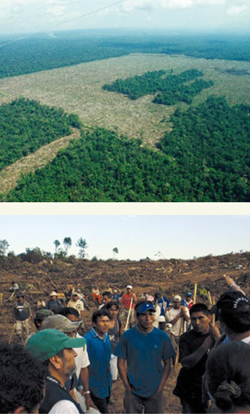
{"points": [[49, 342]]}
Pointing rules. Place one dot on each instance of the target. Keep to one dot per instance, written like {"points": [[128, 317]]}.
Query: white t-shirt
{"points": [[64, 407], [179, 327], [246, 340], [78, 305], [82, 358]]}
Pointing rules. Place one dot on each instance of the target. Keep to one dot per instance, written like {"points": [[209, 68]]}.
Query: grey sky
{"points": [[136, 237], [29, 16]]}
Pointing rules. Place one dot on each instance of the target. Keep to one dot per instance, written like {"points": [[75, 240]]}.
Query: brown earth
{"points": [[169, 276]]}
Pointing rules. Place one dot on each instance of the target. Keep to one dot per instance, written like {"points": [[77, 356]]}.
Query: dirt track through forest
{"points": [[11, 174]]}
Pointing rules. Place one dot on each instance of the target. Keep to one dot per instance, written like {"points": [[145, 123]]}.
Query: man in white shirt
{"points": [[177, 316], [76, 303]]}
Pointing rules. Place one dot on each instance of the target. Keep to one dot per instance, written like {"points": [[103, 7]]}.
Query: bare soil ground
{"points": [[78, 89], [174, 276]]}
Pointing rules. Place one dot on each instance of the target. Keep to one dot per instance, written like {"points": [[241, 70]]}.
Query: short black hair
{"points": [[199, 307], [68, 310], [98, 314], [112, 303], [108, 294], [22, 379]]}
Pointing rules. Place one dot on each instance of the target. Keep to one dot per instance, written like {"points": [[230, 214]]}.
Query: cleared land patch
{"points": [[78, 89], [11, 174]]}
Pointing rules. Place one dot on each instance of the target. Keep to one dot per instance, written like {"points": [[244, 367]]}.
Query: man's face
{"points": [[101, 326], [113, 311], [129, 290], [54, 297], [69, 361], [106, 299], [146, 319], [72, 318], [177, 304], [75, 298], [21, 299], [200, 322]]}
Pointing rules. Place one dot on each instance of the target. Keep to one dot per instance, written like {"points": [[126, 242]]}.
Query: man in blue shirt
{"points": [[99, 352], [144, 348]]}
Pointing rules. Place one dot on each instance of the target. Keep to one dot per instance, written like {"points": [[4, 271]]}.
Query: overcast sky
{"points": [[136, 237], [29, 16]]}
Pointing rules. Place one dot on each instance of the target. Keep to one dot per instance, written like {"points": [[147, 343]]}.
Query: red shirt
{"points": [[126, 299]]}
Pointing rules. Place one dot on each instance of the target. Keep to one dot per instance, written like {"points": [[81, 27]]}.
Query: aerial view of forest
{"points": [[160, 119]]}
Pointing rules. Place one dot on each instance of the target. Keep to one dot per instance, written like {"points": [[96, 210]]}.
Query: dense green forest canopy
{"points": [[25, 126], [70, 48], [168, 89], [206, 158], [210, 146]]}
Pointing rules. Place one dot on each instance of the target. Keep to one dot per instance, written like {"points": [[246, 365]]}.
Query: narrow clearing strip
{"points": [[11, 174]]}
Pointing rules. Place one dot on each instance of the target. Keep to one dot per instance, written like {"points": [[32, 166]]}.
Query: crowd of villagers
{"points": [[140, 341]]}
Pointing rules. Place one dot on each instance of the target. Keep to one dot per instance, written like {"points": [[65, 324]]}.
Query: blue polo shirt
{"points": [[144, 354], [99, 352]]}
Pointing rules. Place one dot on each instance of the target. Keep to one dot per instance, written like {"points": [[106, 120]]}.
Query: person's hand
{"points": [[229, 280], [89, 402], [214, 331]]}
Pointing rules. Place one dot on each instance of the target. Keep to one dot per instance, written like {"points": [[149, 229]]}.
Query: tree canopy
{"points": [[168, 90], [205, 158], [26, 125]]}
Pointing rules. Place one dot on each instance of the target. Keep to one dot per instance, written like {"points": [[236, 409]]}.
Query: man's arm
{"points": [[165, 375], [84, 375], [174, 320], [123, 374], [134, 298], [191, 360], [231, 283]]}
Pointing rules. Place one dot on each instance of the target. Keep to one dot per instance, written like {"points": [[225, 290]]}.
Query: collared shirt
{"points": [[99, 351]]}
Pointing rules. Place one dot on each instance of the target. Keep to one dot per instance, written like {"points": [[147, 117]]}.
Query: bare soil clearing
{"points": [[78, 89], [11, 174]]}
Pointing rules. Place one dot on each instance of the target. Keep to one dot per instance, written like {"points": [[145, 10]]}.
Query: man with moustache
{"points": [[55, 350], [195, 346]]}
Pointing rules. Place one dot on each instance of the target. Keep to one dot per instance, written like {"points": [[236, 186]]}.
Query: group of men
{"points": [[143, 354]]}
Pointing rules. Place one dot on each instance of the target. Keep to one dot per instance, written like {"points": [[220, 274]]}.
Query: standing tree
{"points": [[82, 244], [4, 245], [115, 251], [67, 243], [57, 244]]}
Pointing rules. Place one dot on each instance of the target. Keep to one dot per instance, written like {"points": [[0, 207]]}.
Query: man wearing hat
{"points": [[176, 317], [63, 324], [22, 313], [76, 303], [57, 351], [143, 349], [54, 303], [128, 302]]}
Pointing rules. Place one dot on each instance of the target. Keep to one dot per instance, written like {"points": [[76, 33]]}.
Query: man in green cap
{"points": [[55, 350]]}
